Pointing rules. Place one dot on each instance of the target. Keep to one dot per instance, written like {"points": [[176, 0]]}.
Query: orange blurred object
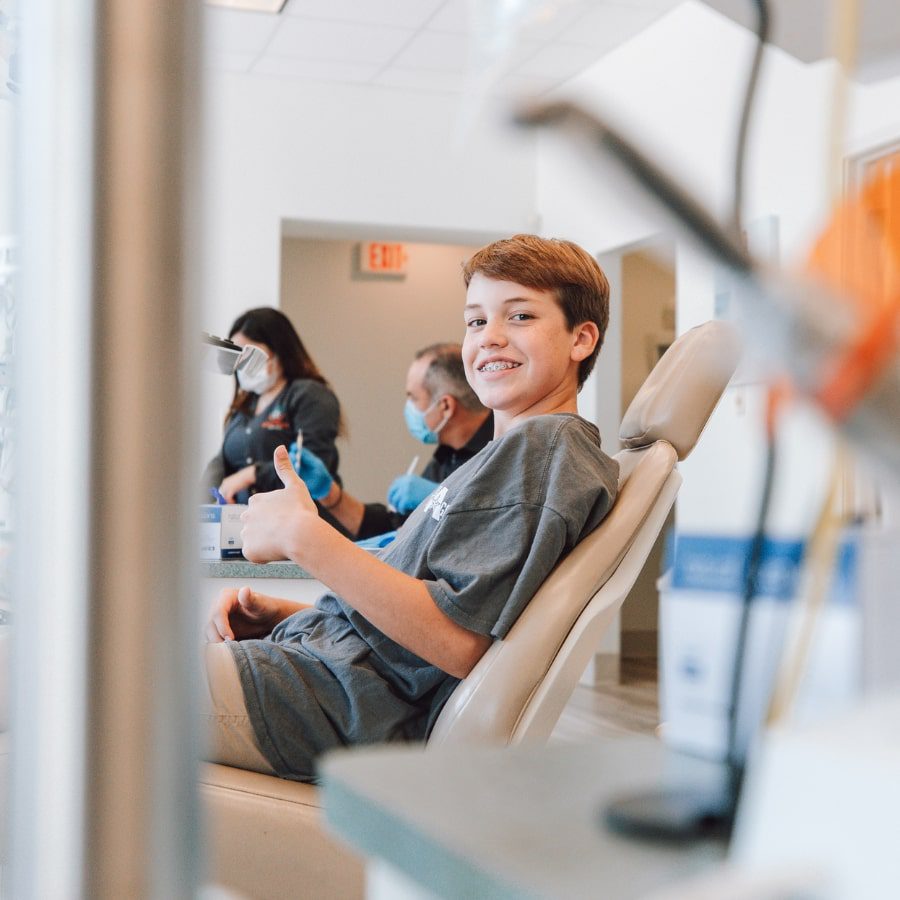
{"points": [[858, 256]]}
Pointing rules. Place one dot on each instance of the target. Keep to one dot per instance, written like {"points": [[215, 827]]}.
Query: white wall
{"points": [[363, 332], [341, 156], [676, 89]]}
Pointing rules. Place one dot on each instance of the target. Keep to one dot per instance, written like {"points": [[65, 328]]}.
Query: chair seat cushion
{"points": [[264, 833]]}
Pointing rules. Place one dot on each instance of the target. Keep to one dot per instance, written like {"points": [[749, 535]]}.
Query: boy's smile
{"points": [[520, 356]]}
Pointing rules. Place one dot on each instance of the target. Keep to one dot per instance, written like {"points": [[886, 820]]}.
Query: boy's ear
{"points": [[585, 337]]}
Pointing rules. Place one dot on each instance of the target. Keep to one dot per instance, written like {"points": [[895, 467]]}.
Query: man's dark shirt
{"points": [[377, 518]]}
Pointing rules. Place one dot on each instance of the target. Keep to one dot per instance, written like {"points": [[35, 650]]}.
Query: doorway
{"points": [[647, 292]]}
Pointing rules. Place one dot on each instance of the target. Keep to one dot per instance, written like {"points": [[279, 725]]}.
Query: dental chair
{"points": [[265, 834]]}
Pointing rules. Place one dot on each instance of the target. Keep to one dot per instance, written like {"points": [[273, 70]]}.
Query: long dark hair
{"points": [[271, 327]]}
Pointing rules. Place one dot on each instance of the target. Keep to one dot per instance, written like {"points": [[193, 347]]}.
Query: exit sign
{"points": [[376, 258]]}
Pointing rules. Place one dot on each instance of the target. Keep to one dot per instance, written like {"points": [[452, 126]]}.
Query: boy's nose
{"points": [[493, 335]]}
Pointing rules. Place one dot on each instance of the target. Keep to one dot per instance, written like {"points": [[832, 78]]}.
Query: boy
{"points": [[376, 659]]}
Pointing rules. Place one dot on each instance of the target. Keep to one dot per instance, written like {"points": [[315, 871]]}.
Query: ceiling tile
{"points": [[319, 70], [228, 62], [558, 61], [403, 13], [525, 86], [541, 23], [267, 6], [548, 21], [607, 26], [337, 41], [659, 5], [229, 31], [436, 50], [421, 80], [515, 87], [452, 16]]}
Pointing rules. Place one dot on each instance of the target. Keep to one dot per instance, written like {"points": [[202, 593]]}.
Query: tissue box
{"points": [[220, 531]]}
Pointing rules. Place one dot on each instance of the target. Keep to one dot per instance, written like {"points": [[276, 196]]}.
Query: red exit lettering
{"points": [[383, 258]]}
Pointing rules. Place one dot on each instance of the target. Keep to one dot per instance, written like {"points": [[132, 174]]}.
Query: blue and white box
{"points": [[700, 607], [220, 530]]}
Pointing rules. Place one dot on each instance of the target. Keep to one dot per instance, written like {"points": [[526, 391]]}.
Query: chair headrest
{"points": [[680, 393]]}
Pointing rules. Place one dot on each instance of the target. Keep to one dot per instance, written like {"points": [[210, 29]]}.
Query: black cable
{"points": [[740, 153], [734, 757], [751, 589]]}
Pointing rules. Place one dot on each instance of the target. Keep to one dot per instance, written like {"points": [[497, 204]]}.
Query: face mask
{"points": [[258, 383], [415, 422]]}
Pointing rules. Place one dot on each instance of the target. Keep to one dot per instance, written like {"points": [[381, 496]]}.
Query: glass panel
{"points": [[8, 257]]}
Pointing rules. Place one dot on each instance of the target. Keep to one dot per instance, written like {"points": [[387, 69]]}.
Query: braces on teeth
{"points": [[497, 366]]}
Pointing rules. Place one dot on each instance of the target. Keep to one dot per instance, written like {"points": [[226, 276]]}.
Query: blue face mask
{"points": [[415, 422]]}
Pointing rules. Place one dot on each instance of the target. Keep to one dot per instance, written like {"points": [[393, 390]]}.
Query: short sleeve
{"points": [[488, 563]]}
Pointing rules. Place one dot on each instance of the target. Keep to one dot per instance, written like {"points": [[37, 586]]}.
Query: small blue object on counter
{"points": [[377, 541]]}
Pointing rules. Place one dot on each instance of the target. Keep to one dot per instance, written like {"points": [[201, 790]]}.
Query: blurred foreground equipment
{"points": [[834, 331]]}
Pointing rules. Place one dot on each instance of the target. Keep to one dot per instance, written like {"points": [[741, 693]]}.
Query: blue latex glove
{"points": [[312, 470], [378, 541], [408, 491]]}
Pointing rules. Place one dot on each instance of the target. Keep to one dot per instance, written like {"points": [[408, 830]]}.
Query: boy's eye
{"points": [[475, 323], [521, 317]]}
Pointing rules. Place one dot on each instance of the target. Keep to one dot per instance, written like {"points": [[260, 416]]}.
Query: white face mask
{"points": [[258, 382]]}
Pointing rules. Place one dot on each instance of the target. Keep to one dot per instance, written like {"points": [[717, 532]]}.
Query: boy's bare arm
{"points": [[395, 603], [285, 524]]}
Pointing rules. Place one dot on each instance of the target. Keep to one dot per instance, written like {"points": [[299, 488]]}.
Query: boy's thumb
{"points": [[283, 467], [247, 600]]}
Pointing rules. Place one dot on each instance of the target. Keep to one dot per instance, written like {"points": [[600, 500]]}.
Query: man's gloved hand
{"points": [[377, 542], [408, 491], [312, 470]]}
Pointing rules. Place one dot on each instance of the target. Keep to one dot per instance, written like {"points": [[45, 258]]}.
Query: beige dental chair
{"points": [[264, 833]]}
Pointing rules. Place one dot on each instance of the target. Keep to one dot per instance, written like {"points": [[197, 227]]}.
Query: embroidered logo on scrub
{"points": [[276, 420], [437, 504]]}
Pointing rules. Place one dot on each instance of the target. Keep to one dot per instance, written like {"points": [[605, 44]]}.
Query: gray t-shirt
{"points": [[482, 543]]}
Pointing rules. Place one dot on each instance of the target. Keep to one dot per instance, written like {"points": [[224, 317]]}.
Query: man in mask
{"points": [[441, 408]]}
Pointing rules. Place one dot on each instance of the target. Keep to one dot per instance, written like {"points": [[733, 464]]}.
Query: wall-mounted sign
{"points": [[376, 258]]}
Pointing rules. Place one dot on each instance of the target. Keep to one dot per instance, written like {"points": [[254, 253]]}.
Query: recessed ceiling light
{"points": [[269, 6]]}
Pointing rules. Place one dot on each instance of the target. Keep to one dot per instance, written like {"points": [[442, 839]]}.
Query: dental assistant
{"points": [[288, 396]]}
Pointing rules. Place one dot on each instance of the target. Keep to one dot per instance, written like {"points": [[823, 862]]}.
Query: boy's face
{"points": [[520, 357]]}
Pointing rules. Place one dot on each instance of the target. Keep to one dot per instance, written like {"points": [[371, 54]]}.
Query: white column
{"points": [[103, 748]]}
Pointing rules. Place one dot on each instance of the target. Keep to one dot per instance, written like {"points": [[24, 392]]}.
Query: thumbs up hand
{"points": [[274, 522]]}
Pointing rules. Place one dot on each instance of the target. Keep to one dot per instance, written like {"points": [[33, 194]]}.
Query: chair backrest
{"points": [[521, 684]]}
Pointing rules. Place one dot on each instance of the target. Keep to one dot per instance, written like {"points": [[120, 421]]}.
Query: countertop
{"points": [[241, 568], [512, 822]]}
